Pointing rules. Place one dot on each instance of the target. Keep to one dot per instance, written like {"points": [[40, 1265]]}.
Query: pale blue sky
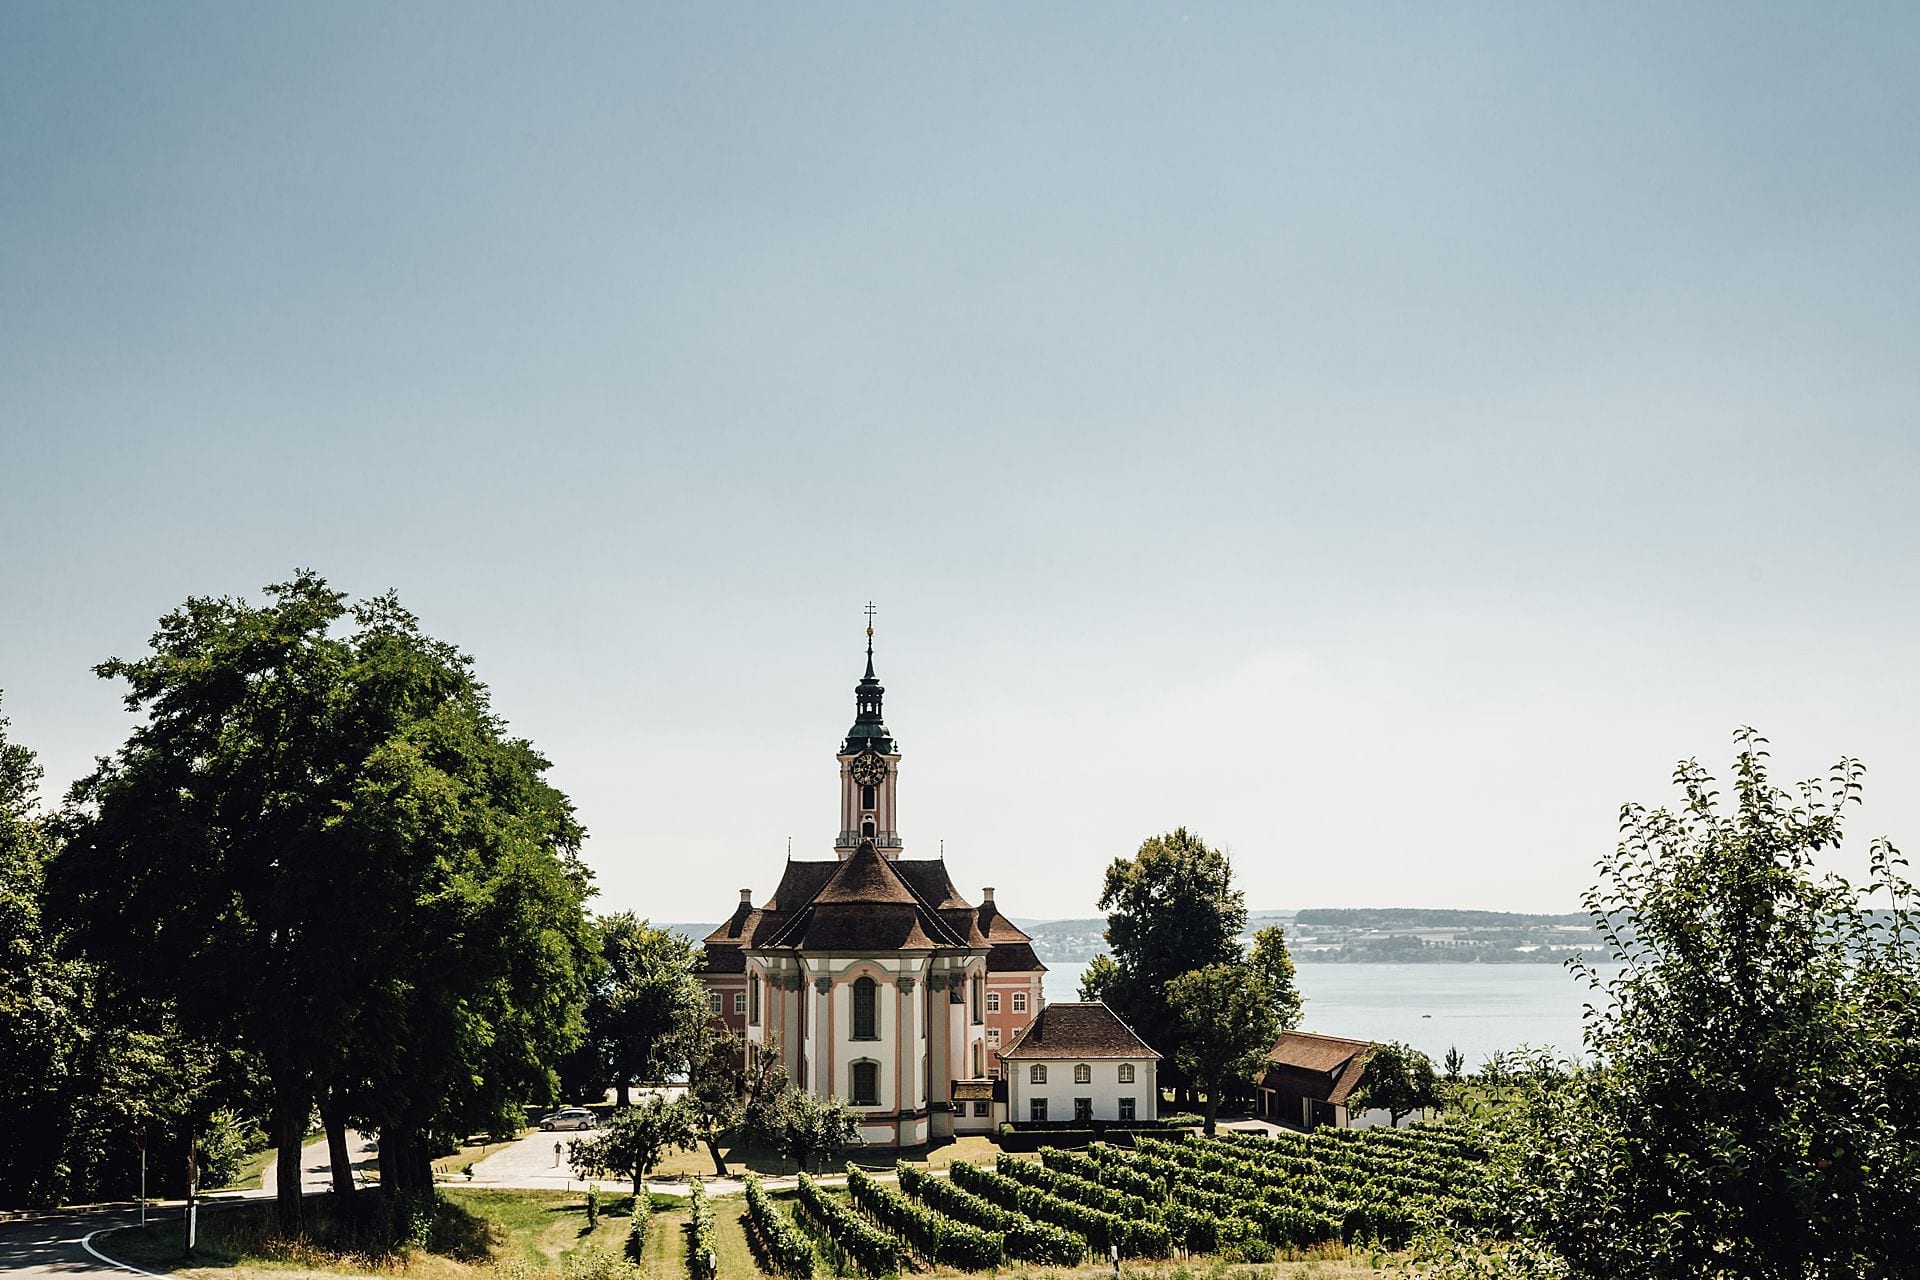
{"points": [[1382, 438]]}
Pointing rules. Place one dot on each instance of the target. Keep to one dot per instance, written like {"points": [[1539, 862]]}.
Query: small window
{"points": [[979, 1060], [866, 1084], [1037, 1108], [739, 1002], [1082, 1073], [1037, 1073], [1083, 1108], [1019, 1002], [1126, 1073], [867, 829], [979, 999], [753, 1003], [865, 1023], [1126, 1108], [983, 1108], [713, 1002], [993, 1037], [993, 1002]]}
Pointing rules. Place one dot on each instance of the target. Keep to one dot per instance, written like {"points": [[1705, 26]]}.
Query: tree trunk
{"points": [[713, 1149], [289, 1131], [622, 1096], [333, 1116], [1213, 1106]]}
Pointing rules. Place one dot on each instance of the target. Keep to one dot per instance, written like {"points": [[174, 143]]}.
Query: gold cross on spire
{"points": [[870, 612]]}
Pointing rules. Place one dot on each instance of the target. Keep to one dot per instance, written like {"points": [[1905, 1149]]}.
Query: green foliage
{"points": [[1750, 1108], [1224, 1024], [1272, 966], [703, 1252], [1098, 1227], [593, 1207], [1398, 1078], [781, 1242], [643, 996], [323, 848], [850, 1236], [934, 1236], [1026, 1239], [801, 1126], [1171, 908], [633, 1141], [636, 1246]]}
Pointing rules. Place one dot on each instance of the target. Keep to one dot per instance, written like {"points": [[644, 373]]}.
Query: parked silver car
{"points": [[569, 1118]]}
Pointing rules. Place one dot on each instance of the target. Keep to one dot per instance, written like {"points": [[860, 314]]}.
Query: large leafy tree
{"points": [[1224, 1024], [1752, 1107], [643, 996], [1171, 909], [320, 845]]}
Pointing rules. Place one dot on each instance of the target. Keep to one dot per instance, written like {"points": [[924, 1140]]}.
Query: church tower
{"points": [[869, 771]]}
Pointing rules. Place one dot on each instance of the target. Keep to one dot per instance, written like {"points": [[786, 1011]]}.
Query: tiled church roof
{"points": [[866, 905]]}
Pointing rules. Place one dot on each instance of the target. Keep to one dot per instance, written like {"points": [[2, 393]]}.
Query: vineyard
{"points": [[1244, 1197]]}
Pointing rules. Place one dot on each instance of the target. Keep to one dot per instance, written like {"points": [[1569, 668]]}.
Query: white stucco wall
{"points": [[1060, 1090]]}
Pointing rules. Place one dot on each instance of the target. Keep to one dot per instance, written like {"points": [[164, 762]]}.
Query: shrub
{"points": [[780, 1240], [703, 1257], [870, 1249], [934, 1236]]}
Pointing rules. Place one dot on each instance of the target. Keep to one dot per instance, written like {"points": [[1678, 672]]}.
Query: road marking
{"points": [[86, 1242]]}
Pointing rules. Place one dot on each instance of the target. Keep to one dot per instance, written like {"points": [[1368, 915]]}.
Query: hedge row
{"points": [[1072, 1187], [781, 1241], [933, 1235], [852, 1237], [703, 1240], [1134, 1237], [1027, 1240]]}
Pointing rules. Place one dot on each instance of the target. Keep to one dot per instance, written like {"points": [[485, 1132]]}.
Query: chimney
{"points": [[746, 897], [986, 895]]}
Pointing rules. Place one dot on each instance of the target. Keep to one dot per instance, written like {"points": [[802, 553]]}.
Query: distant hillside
{"points": [[1348, 935], [1430, 918]]}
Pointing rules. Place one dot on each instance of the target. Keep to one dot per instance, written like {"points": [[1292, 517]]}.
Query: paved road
{"points": [[50, 1246]]}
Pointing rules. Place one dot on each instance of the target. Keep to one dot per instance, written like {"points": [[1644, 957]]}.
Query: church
{"points": [[870, 974]]}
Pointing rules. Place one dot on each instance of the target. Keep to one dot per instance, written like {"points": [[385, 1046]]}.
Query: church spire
{"points": [[869, 770], [869, 732]]}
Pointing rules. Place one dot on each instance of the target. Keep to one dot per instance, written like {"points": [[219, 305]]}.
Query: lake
{"points": [[1482, 1009]]}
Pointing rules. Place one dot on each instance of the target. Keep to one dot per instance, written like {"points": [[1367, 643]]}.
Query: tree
{"points": [[324, 850], [1171, 908], [634, 1141], [1272, 965], [1749, 1104], [644, 994], [797, 1124], [1224, 1026], [725, 1085], [1398, 1079], [1100, 980]]}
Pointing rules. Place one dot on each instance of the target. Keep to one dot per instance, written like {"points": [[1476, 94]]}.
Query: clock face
{"points": [[869, 769]]}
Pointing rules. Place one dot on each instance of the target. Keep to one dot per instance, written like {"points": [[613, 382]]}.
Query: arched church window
{"points": [[753, 1000], [865, 1023], [866, 797], [866, 1084], [979, 1060], [979, 1001]]}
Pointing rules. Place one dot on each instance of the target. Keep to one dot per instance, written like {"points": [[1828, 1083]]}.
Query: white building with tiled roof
{"points": [[1079, 1061], [869, 974]]}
